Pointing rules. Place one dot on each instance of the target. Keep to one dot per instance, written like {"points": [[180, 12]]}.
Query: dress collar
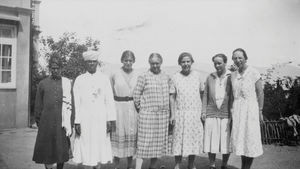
{"points": [[151, 73], [215, 75]]}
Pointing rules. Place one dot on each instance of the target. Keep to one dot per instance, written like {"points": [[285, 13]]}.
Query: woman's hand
{"points": [[110, 126], [203, 117], [172, 120], [77, 129], [261, 116]]}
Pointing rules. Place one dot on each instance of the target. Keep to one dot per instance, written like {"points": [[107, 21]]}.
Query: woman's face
{"points": [[186, 63], [128, 62], [155, 63], [239, 59], [219, 64]]}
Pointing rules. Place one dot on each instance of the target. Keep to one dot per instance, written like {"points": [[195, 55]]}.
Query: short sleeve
{"points": [[201, 84], [255, 75], [112, 78], [172, 85]]}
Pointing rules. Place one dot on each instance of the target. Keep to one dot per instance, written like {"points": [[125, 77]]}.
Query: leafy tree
{"points": [[70, 48]]}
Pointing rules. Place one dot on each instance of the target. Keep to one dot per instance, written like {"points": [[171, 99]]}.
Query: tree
{"points": [[70, 48]]}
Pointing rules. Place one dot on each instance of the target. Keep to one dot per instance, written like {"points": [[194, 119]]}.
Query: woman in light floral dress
{"points": [[247, 110], [186, 105]]}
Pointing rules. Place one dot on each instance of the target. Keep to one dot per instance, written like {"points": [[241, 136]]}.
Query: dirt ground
{"points": [[16, 149]]}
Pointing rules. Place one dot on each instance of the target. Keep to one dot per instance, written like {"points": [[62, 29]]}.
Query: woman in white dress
{"points": [[186, 106], [247, 109], [124, 138]]}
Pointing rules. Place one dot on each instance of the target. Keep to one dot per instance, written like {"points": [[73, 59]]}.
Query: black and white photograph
{"points": [[149, 84]]}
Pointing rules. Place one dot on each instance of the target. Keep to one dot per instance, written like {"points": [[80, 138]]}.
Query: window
{"points": [[7, 56]]}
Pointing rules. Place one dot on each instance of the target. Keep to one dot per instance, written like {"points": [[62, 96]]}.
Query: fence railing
{"points": [[278, 132]]}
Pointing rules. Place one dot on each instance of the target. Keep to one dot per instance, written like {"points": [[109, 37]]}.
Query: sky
{"points": [[269, 30]]}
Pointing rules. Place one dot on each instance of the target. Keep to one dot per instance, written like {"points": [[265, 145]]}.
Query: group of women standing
{"points": [[219, 116]]}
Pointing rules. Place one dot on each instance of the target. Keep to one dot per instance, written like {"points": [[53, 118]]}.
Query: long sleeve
{"points": [[138, 91], [204, 99], [111, 114], [77, 101], [39, 103]]}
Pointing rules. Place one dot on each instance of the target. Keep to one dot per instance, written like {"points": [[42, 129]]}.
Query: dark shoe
{"points": [[224, 167]]}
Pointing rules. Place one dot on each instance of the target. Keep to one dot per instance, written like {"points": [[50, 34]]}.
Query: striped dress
{"points": [[151, 97]]}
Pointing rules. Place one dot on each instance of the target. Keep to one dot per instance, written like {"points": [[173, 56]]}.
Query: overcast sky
{"points": [[269, 30]]}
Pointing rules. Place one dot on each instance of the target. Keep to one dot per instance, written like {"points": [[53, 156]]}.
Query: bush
{"points": [[282, 96]]}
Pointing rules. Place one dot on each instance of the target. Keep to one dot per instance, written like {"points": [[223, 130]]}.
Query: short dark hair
{"points": [[127, 53], [221, 55], [55, 59], [241, 50], [157, 55], [184, 54]]}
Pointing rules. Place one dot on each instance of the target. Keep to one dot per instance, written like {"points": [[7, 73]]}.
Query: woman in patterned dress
{"points": [[124, 138], [151, 98], [186, 106], [247, 109], [217, 99]]}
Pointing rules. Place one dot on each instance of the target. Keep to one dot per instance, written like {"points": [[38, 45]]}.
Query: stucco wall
{"points": [[22, 75], [7, 108], [16, 3], [14, 103]]}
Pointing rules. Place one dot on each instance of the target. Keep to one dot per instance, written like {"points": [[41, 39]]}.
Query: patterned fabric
{"points": [[152, 134], [125, 136], [188, 131], [152, 92], [246, 136], [151, 96], [217, 135]]}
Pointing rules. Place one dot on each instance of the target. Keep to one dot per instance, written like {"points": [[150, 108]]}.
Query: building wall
{"points": [[14, 103], [7, 108], [16, 3], [22, 75]]}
